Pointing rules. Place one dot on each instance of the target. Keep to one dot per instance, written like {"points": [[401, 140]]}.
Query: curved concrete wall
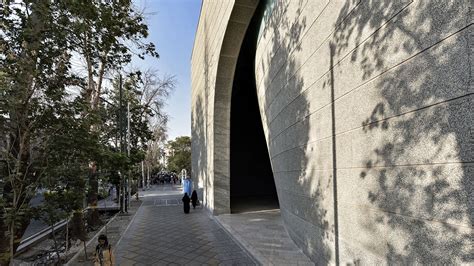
{"points": [[221, 30], [367, 111]]}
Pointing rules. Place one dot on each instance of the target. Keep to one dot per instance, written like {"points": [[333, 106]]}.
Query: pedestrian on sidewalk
{"points": [[186, 201], [103, 253], [194, 198]]}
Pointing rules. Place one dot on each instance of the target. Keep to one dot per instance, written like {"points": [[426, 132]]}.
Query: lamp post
{"points": [[122, 146], [124, 189], [128, 154]]}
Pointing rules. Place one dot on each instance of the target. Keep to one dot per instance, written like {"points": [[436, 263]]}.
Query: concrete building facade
{"points": [[367, 117]]}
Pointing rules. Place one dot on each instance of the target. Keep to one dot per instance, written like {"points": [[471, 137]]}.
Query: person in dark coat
{"points": [[186, 201], [194, 198]]}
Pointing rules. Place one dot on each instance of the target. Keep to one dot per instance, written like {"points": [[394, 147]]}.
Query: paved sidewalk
{"points": [[161, 234], [115, 229], [263, 234]]}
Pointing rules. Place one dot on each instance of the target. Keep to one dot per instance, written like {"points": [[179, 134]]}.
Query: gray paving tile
{"points": [[267, 239], [126, 262], [162, 235], [159, 263], [129, 255], [194, 263]]}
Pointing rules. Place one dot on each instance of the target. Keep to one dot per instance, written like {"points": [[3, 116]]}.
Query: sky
{"points": [[172, 25]]}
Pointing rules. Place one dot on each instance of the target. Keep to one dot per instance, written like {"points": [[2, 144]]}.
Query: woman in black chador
{"points": [[194, 198], [186, 203]]}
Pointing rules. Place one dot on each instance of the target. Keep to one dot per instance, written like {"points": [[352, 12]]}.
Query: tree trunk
{"points": [[122, 210], [12, 225], [7, 241], [77, 228], [95, 101], [67, 237], [93, 219], [117, 193], [4, 250], [55, 244], [15, 188], [12, 239], [85, 250]]}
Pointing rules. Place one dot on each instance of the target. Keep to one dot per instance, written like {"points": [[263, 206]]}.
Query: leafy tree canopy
{"points": [[180, 154]]}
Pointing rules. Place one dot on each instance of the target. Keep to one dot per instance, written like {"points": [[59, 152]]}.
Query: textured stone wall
{"points": [[367, 111], [220, 32], [209, 35]]}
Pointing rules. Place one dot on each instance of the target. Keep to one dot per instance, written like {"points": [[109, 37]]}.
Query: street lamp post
{"points": [[122, 146], [128, 154], [124, 189]]}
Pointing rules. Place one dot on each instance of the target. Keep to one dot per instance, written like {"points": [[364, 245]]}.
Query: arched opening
{"points": [[252, 186]]}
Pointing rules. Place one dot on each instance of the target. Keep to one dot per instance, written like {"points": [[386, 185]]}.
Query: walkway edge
{"points": [[79, 252], [256, 257], [100, 231], [128, 226]]}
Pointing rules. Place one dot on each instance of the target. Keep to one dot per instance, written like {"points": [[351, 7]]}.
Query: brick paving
{"points": [[161, 234]]}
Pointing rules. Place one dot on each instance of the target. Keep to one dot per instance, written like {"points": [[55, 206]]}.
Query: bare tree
{"points": [[155, 91]]}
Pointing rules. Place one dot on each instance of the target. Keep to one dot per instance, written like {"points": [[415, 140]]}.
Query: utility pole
{"points": [[128, 154], [122, 146], [148, 175], [143, 176]]}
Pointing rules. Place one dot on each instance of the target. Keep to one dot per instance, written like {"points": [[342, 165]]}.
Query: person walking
{"points": [[194, 199], [103, 253], [186, 201]]}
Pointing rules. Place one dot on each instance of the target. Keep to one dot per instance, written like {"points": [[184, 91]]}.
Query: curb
{"points": [[79, 252], [128, 226]]}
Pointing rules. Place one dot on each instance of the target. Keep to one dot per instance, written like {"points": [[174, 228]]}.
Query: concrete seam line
{"points": [[128, 226], [258, 260], [88, 242]]}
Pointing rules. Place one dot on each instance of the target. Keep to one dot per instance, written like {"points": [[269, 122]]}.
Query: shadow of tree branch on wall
{"points": [[303, 184], [414, 84], [200, 135]]}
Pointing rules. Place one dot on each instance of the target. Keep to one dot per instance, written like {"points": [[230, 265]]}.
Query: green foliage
{"points": [[34, 66], [113, 128], [107, 29], [180, 154], [51, 211], [47, 135]]}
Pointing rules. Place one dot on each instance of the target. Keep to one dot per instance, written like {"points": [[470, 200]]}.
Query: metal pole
{"points": [[120, 117], [143, 176], [128, 153], [122, 193], [128, 129], [122, 207], [148, 176], [125, 196]]}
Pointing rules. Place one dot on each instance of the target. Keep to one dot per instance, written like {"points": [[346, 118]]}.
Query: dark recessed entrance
{"points": [[252, 186]]}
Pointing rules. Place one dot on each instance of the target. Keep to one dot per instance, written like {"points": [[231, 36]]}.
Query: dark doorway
{"points": [[252, 186]]}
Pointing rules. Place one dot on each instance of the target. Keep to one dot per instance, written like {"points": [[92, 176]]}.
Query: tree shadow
{"points": [[411, 72], [387, 91], [200, 134], [368, 122], [304, 185]]}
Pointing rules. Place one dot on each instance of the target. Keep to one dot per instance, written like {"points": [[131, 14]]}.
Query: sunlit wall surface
{"points": [[367, 112]]}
